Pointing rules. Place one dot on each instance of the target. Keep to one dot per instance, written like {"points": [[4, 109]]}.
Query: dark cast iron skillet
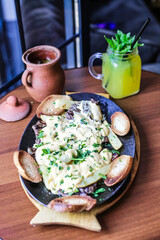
{"points": [[38, 190]]}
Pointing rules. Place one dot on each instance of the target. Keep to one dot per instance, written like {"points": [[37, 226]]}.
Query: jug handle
{"points": [[27, 78], [91, 68]]}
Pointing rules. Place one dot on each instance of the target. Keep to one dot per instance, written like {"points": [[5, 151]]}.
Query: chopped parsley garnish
{"points": [[115, 151], [74, 178], [95, 150], [69, 146], [51, 163], [77, 160], [61, 182], [55, 164], [96, 144], [86, 153], [56, 125], [40, 135], [39, 145], [91, 168], [46, 151], [56, 152], [53, 157], [62, 148], [66, 176], [60, 167], [81, 156], [82, 146], [56, 134], [39, 170], [83, 121], [72, 125], [100, 190], [75, 191], [102, 175]]}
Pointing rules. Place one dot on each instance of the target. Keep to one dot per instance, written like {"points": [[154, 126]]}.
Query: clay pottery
{"points": [[43, 75], [14, 109]]}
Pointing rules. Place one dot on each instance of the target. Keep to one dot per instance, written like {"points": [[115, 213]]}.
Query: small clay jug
{"points": [[43, 75]]}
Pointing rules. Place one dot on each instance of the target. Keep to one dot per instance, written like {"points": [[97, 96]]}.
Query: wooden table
{"points": [[135, 216]]}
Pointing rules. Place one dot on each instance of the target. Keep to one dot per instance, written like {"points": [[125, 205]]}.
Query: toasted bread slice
{"points": [[120, 168], [48, 105], [27, 166], [73, 203], [120, 123]]}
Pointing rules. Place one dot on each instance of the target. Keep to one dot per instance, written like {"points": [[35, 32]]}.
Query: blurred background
{"points": [[76, 27]]}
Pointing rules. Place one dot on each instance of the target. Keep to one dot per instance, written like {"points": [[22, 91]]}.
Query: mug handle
{"points": [[91, 68], [27, 78]]}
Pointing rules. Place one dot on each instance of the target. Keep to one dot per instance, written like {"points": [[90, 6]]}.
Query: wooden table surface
{"points": [[135, 216]]}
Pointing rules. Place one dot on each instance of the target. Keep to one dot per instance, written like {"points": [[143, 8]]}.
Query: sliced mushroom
{"points": [[120, 123], [49, 107], [119, 169], [27, 166], [73, 203]]}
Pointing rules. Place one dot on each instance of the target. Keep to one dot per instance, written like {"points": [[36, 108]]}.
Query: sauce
{"points": [[70, 155]]}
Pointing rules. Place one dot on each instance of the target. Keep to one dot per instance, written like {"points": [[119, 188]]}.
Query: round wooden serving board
{"points": [[86, 219]]}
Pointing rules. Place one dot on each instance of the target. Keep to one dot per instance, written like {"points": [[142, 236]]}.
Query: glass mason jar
{"points": [[121, 73]]}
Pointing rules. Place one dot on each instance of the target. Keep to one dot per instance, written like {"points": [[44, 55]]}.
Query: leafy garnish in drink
{"points": [[122, 43]]}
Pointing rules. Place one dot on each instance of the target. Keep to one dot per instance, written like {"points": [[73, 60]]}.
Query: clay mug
{"points": [[43, 75]]}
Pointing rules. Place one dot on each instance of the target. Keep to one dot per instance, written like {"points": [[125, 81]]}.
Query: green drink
{"points": [[121, 73], [121, 66]]}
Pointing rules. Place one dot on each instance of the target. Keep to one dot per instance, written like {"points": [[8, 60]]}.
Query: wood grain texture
{"points": [[135, 216]]}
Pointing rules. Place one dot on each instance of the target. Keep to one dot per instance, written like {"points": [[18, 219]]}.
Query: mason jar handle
{"points": [[91, 68]]}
